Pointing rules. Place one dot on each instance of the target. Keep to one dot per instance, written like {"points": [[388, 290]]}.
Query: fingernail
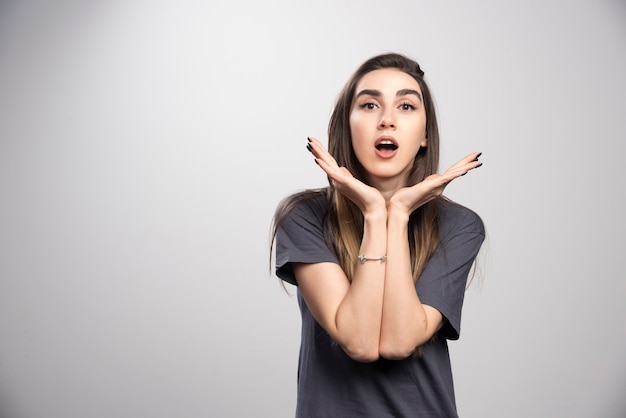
{"points": [[316, 161], [479, 154], [464, 173], [479, 165], [308, 139], [308, 146]]}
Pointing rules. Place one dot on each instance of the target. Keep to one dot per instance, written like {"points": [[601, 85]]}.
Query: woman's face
{"points": [[388, 124]]}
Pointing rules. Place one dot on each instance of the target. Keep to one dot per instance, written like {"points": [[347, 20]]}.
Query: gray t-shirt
{"points": [[331, 384]]}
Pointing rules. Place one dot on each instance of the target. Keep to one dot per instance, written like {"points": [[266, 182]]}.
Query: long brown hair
{"points": [[343, 223]]}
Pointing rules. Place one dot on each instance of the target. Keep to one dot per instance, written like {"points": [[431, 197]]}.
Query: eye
{"points": [[407, 106], [368, 105]]}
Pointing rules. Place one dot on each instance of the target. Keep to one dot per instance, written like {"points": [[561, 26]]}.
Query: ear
{"points": [[424, 142]]}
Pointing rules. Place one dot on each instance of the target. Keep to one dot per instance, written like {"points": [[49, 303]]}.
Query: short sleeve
{"points": [[443, 282], [300, 239]]}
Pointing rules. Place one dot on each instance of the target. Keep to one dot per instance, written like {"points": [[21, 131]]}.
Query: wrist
{"points": [[397, 214], [376, 215]]}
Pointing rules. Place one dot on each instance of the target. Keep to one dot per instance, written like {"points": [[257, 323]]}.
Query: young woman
{"points": [[379, 257]]}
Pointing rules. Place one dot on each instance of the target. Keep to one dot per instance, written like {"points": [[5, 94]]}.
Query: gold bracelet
{"points": [[363, 259]]}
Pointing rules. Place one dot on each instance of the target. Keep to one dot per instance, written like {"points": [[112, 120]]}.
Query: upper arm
{"points": [[323, 287], [444, 279], [434, 321]]}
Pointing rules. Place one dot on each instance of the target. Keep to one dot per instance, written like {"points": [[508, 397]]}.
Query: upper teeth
{"points": [[386, 142]]}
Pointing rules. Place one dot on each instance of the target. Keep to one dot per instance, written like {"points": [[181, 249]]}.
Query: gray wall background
{"points": [[145, 144]]}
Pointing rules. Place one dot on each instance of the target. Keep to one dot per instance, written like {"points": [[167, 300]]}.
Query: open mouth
{"points": [[386, 145]]}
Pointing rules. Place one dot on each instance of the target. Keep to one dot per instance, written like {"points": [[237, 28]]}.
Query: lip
{"points": [[386, 153], [386, 138]]}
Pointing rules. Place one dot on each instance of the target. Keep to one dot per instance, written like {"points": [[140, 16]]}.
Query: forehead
{"points": [[387, 80]]}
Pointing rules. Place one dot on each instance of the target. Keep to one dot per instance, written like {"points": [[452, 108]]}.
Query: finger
{"points": [[474, 162], [471, 166], [469, 158], [319, 151], [315, 148], [332, 169], [469, 162], [454, 173]]}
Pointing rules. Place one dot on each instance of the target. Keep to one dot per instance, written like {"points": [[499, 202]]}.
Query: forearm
{"points": [[359, 315], [404, 324]]}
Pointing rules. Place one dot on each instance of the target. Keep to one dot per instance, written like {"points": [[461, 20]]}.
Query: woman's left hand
{"points": [[408, 199]]}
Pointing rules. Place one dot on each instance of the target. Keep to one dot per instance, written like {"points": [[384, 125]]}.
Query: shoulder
{"points": [[299, 229], [302, 208], [312, 204], [455, 218]]}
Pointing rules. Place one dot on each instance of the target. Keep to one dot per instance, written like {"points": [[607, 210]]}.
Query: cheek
{"points": [[354, 122], [418, 129], [356, 129]]}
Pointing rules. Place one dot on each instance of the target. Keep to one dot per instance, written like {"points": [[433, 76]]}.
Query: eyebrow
{"points": [[399, 93]]}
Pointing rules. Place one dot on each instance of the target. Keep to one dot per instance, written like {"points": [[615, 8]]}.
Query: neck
{"points": [[387, 187]]}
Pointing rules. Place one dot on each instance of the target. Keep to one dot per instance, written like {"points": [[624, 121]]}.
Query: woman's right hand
{"points": [[367, 198]]}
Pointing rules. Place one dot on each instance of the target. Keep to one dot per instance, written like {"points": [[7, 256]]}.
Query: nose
{"points": [[387, 121]]}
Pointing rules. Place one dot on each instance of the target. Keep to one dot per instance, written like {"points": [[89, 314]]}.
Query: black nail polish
{"points": [[308, 139], [479, 154], [479, 165], [308, 146], [316, 161]]}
